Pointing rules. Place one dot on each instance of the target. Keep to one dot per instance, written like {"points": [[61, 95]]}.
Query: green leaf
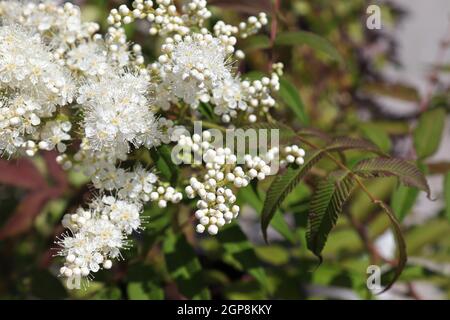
{"points": [[286, 134], [184, 267], [256, 42], [396, 91], [290, 95], [447, 194], [237, 245], [403, 200], [278, 222], [377, 135], [283, 185], [45, 286], [143, 283], [401, 244], [144, 291], [285, 182], [314, 41], [326, 204], [407, 172], [427, 135], [164, 164]]}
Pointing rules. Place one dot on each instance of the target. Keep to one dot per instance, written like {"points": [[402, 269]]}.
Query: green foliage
{"points": [[313, 40], [407, 172], [288, 92], [326, 204], [427, 135], [447, 194], [184, 267], [403, 199]]}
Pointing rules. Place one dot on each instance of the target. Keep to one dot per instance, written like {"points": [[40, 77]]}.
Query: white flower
{"points": [[229, 97], [193, 66], [117, 112], [53, 134], [125, 216], [98, 234], [89, 58]]}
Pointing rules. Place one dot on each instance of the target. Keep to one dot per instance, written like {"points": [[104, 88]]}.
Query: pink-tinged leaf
{"points": [[55, 170], [22, 219], [244, 6], [21, 173]]}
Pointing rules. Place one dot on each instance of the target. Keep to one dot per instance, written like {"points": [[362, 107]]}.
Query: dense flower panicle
{"points": [[33, 85], [224, 171], [192, 66], [89, 58], [61, 24], [63, 84], [98, 235], [117, 112]]}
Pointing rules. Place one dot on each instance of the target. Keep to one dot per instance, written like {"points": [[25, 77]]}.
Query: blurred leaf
{"points": [[184, 267], [447, 194], [28, 209], [377, 136], [403, 200], [108, 293], [278, 223], [290, 95], [427, 233], [144, 291], [236, 244], [286, 134], [244, 6], [276, 255], [397, 91], [407, 172], [143, 283], [21, 173], [164, 163], [427, 135], [314, 41], [256, 42], [45, 286], [327, 202], [401, 244]]}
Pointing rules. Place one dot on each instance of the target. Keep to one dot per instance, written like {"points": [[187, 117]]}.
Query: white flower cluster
{"points": [[245, 29], [94, 100], [195, 67], [293, 154], [117, 112], [97, 235], [223, 172], [61, 24], [32, 84]]}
